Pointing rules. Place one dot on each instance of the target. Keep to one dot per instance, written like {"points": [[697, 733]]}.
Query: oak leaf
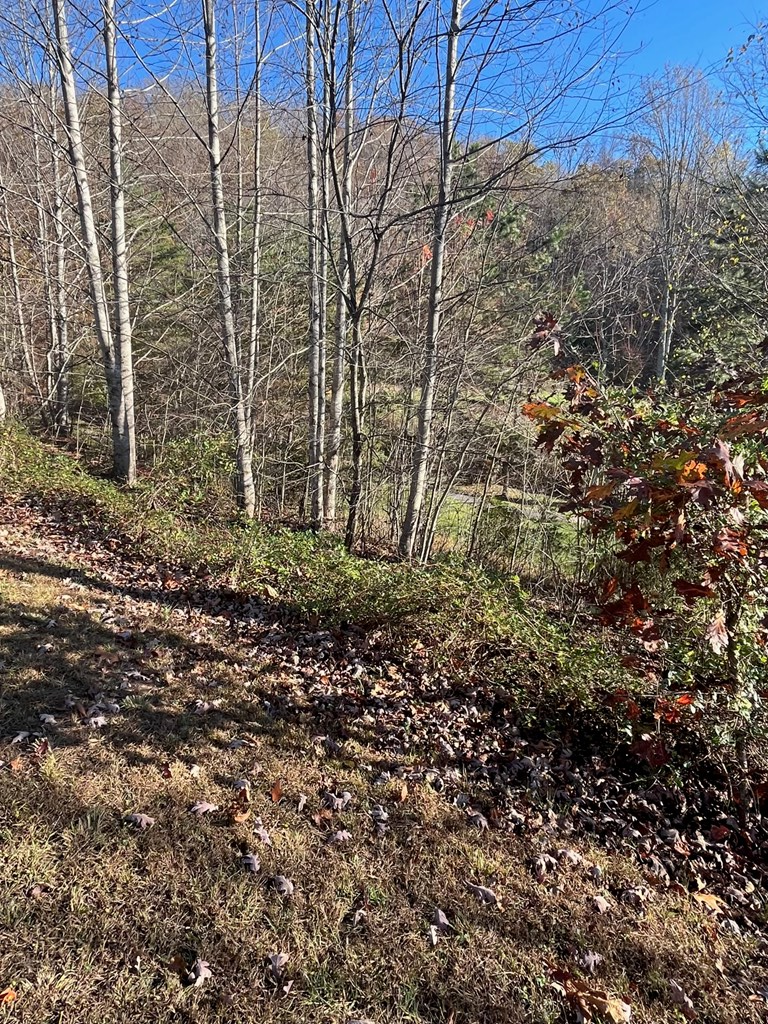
{"points": [[717, 633]]}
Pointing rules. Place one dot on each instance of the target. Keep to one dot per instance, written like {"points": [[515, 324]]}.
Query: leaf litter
{"points": [[704, 848]]}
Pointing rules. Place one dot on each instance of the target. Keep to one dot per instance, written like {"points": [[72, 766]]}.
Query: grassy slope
{"points": [[84, 895]]}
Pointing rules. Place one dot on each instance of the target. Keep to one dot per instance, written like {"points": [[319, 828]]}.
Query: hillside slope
{"points": [[382, 791]]}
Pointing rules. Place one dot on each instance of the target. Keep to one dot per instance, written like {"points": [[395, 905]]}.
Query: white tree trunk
{"points": [[254, 333], [435, 304], [246, 492], [51, 414], [61, 355], [341, 330], [18, 304], [316, 381], [125, 453], [99, 301]]}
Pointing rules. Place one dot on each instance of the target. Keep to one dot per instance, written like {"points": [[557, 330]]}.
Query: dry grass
{"points": [[93, 911]]}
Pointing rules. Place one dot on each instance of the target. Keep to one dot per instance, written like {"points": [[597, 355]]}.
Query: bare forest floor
{"points": [[371, 793]]}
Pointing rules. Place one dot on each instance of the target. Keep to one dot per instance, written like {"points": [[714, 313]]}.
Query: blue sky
{"points": [[697, 32]]}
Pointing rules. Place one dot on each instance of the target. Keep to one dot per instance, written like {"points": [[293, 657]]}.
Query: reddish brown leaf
{"points": [[744, 425], [730, 543], [692, 592], [600, 491], [277, 792], [652, 750]]}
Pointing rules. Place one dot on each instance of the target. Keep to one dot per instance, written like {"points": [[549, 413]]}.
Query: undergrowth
{"points": [[461, 618]]}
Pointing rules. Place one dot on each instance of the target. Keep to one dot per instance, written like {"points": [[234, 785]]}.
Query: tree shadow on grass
{"points": [[83, 657]]}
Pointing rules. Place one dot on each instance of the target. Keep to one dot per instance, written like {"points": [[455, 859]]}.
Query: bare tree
{"points": [[246, 491], [119, 249], [315, 259], [117, 374], [678, 149], [442, 208]]}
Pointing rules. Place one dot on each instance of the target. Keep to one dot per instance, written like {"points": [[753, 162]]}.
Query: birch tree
{"points": [[246, 491], [119, 374], [435, 307], [316, 311], [119, 249]]}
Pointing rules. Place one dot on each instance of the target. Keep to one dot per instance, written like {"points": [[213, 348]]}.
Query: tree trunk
{"points": [[435, 305], [254, 335], [340, 355], [61, 355], [39, 129], [125, 452], [668, 317], [316, 382], [98, 295], [357, 397], [18, 304], [246, 492]]}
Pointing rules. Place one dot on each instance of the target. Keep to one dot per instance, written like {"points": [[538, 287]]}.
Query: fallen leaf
{"points": [[484, 895], [283, 885], [8, 996], [710, 901], [261, 833], [440, 921], [590, 961], [243, 788], [276, 792], [590, 1002], [337, 838], [142, 821], [202, 807], [238, 814], [277, 962], [199, 972], [302, 803], [542, 865], [682, 1001], [636, 896], [600, 904], [250, 862]]}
